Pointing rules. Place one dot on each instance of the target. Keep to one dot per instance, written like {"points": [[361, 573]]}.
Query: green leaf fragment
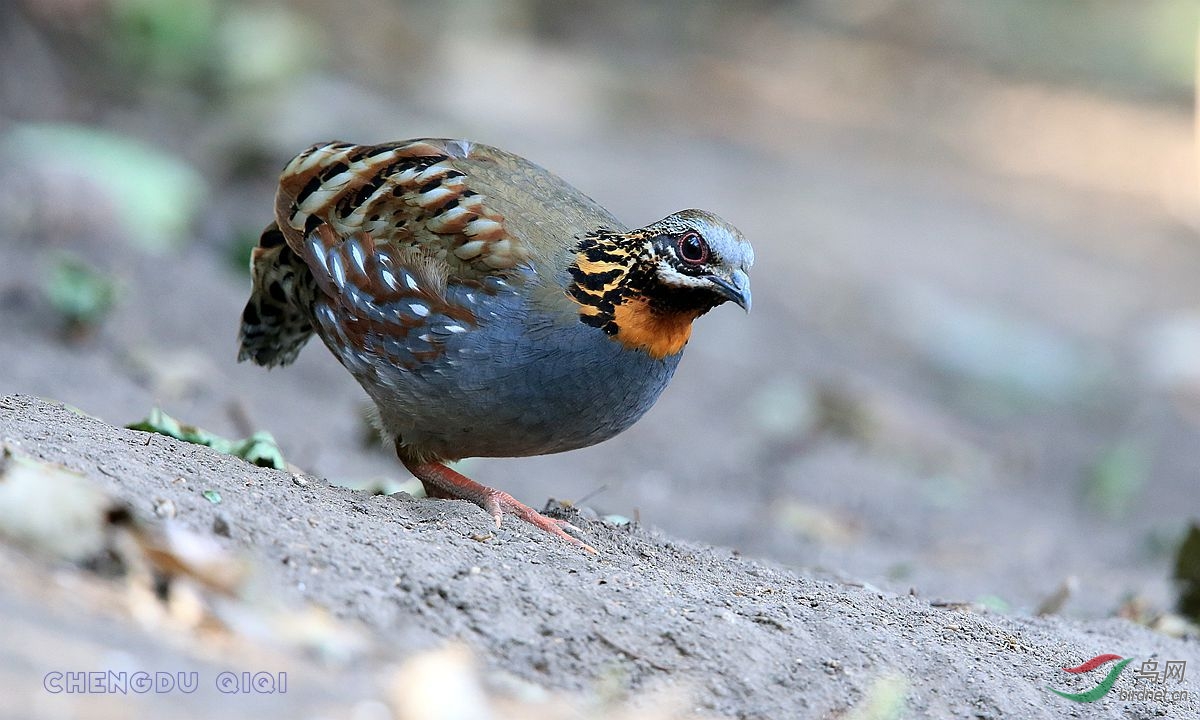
{"points": [[1116, 479], [259, 449], [995, 603], [166, 40], [80, 294], [154, 193], [1187, 573], [212, 496], [239, 251], [884, 700]]}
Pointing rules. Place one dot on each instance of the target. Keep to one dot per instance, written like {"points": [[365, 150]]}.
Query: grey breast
{"points": [[522, 382]]}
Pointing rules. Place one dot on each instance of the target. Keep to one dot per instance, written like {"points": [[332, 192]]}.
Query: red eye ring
{"points": [[692, 248]]}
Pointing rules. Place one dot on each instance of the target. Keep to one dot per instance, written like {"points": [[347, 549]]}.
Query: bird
{"points": [[486, 306]]}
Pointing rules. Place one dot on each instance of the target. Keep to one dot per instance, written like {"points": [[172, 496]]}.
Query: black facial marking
{"points": [[670, 299], [596, 281], [593, 320], [599, 253], [600, 291], [667, 246], [635, 277]]}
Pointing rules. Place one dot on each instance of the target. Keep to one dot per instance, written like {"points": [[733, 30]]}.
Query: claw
{"points": [[441, 481], [497, 502]]}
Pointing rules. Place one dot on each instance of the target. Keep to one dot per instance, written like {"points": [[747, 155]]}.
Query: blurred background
{"points": [[973, 366]]}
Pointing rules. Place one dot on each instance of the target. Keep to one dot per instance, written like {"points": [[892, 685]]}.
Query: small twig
{"points": [[592, 494]]}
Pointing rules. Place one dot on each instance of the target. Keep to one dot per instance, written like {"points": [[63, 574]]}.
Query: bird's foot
{"points": [[442, 482]]}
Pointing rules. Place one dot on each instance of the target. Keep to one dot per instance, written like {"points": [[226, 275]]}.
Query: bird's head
{"points": [[700, 261], [646, 286]]}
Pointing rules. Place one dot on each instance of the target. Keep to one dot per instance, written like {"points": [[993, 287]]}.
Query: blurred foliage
{"points": [[999, 363], [265, 45], [238, 253], [782, 408], [213, 46], [885, 699], [1187, 573], [994, 603], [81, 295], [259, 449], [168, 40], [1116, 478], [155, 195], [946, 491], [814, 523], [1140, 48]]}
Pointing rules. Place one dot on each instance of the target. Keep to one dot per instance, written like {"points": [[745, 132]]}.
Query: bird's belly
{"points": [[518, 388]]}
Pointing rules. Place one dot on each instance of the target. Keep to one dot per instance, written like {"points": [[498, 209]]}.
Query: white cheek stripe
{"points": [[670, 276]]}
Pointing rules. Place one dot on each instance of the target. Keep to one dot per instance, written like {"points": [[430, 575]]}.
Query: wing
{"points": [[414, 194], [399, 244]]}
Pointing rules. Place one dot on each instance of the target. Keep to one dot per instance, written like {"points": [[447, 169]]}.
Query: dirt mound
{"points": [[741, 638]]}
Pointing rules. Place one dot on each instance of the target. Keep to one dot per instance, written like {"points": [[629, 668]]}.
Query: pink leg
{"points": [[442, 482]]}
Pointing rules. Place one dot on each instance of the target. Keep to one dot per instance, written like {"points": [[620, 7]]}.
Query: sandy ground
{"points": [[743, 638]]}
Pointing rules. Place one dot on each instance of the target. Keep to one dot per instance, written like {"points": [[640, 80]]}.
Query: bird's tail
{"points": [[278, 317]]}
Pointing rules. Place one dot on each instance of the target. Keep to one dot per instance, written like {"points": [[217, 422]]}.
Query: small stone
{"points": [[164, 508], [220, 526]]}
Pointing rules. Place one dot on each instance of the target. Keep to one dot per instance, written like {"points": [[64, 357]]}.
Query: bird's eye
{"points": [[692, 249]]}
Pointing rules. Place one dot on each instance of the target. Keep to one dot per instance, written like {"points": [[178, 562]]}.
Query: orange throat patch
{"points": [[659, 334], [604, 284]]}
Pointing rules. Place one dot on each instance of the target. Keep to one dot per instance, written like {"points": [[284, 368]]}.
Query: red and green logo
{"points": [[1105, 685]]}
